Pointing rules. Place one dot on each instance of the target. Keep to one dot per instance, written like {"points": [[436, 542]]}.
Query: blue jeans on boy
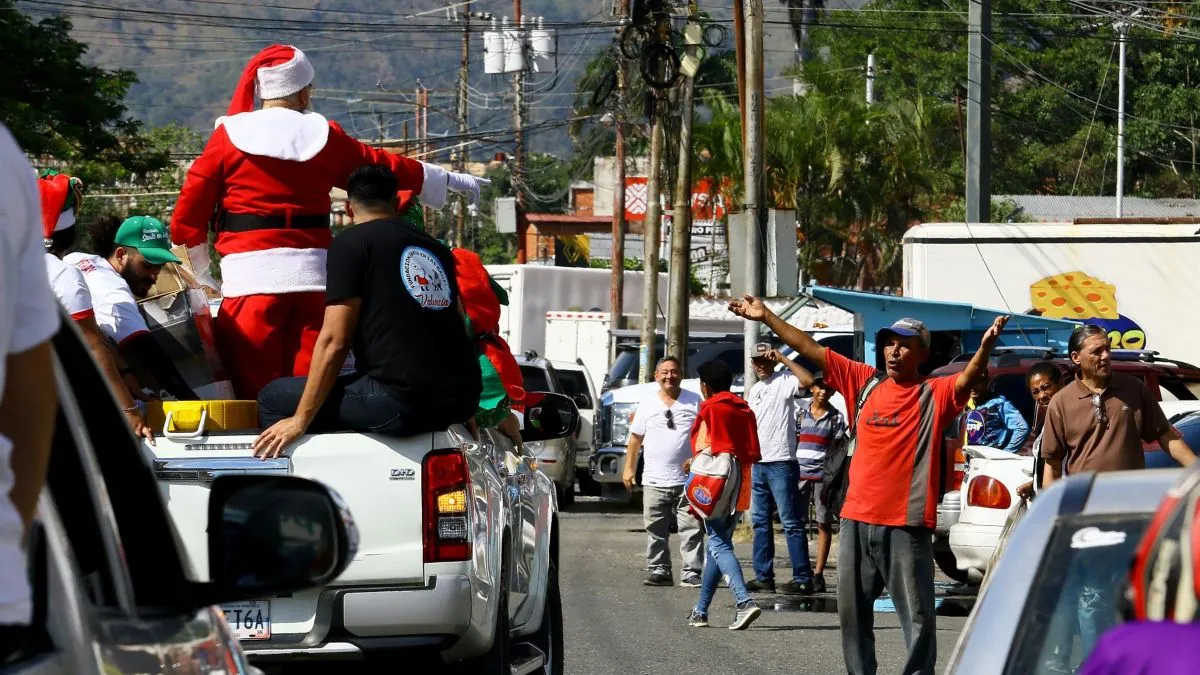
{"points": [[721, 560], [778, 484]]}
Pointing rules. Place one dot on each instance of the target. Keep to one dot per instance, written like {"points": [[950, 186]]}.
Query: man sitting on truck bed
{"points": [[392, 296]]}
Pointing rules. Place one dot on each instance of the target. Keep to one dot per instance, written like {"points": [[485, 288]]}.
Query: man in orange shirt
{"points": [[725, 423], [891, 506]]}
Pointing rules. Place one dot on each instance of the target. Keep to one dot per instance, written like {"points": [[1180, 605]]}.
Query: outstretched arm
{"points": [[753, 309], [978, 364], [803, 377]]}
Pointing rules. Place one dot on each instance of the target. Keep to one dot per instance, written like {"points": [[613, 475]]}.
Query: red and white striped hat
{"points": [[276, 72]]}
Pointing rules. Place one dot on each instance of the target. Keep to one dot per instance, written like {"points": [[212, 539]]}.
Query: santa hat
{"points": [[276, 72], [60, 196]]}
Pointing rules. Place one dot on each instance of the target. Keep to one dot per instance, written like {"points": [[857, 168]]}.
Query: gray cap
{"points": [[908, 327]]}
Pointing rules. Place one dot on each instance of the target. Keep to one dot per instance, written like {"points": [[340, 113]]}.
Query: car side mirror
{"points": [[548, 416], [275, 534]]}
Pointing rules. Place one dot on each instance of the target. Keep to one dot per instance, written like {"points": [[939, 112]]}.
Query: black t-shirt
{"points": [[410, 336]]}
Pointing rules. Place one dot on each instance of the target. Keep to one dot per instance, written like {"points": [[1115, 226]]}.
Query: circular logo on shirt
{"points": [[975, 424], [702, 496], [425, 278]]}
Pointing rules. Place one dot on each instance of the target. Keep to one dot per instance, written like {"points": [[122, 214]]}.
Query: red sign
{"points": [[706, 202]]}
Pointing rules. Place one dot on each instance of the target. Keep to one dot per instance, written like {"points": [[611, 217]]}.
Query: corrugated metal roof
{"points": [[1062, 208]]}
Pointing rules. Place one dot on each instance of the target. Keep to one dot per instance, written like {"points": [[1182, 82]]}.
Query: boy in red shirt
{"points": [[725, 423]]}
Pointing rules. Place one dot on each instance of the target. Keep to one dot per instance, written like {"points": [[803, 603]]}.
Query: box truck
{"points": [[1138, 281]]}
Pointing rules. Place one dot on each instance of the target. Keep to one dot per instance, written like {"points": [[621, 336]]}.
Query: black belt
{"points": [[247, 222]]}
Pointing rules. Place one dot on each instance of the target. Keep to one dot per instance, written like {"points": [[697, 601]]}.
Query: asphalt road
{"points": [[614, 624]]}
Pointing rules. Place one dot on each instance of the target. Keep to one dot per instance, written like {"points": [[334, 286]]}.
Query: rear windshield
{"points": [[1076, 592], [535, 379], [573, 383], [1176, 388]]}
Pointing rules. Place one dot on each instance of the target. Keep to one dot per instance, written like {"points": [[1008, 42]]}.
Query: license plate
{"points": [[249, 620]]}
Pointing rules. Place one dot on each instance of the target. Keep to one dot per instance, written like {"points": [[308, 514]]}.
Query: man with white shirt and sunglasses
{"points": [[661, 433]]}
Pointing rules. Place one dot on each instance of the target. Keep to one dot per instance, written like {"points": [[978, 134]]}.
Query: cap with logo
{"points": [[761, 350], [908, 327], [149, 236]]}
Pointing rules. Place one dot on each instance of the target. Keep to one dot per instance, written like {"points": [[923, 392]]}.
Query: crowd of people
{"points": [[1086, 418]]}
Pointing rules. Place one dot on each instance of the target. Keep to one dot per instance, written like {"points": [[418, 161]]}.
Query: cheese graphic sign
{"points": [[1078, 296]]}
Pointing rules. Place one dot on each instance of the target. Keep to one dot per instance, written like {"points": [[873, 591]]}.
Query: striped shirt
{"points": [[814, 436]]}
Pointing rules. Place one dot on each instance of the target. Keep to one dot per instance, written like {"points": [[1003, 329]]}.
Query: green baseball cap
{"points": [[149, 236]]}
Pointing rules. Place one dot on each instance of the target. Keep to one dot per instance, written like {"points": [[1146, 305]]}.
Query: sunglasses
{"points": [[1098, 408], [670, 420]]}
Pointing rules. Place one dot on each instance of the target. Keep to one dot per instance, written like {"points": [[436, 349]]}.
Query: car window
{"points": [[535, 379], [1076, 592], [1013, 388], [573, 382], [1174, 388]]}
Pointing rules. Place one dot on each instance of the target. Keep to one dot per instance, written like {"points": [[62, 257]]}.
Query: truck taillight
{"points": [[988, 493], [446, 484]]}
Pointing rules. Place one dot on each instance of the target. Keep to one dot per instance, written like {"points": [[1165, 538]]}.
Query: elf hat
{"points": [[276, 72], [60, 197]]}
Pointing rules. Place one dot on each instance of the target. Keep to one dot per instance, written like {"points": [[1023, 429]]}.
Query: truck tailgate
{"points": [[379, 478]]}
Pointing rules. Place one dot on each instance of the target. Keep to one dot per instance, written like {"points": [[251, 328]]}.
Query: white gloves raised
{"points": [[439, 182], [466, 185]]}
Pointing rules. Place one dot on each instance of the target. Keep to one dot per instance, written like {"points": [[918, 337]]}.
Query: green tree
{"points": [[56, 107]]}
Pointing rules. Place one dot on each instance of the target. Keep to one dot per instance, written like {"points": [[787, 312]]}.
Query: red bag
{"points": [[713, 484]]}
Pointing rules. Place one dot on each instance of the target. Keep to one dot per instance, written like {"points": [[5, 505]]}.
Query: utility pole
{"points": [[681, 226], [752, 162], [1122, 32], [616, 317], [979, 113], [650, 245], [518, 175], [463, 72]]}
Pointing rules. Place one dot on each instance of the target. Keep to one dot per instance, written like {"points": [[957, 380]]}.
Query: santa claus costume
{"points": [[61, 196], [262, 184]]}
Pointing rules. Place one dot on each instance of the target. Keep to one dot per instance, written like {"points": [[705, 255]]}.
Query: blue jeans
{"points": [[721, 560], [356, 403], [777, 484]]}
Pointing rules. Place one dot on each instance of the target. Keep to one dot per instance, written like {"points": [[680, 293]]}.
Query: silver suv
{"points": [[555, 458]]}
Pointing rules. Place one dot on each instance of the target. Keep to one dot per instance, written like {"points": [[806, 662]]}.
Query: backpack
{"points": [[836, 476], [713, 484]]}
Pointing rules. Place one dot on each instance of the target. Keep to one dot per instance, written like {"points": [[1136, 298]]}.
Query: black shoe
{"points": [[793, 588], [658, 579], [760, 586], [819, 584]]}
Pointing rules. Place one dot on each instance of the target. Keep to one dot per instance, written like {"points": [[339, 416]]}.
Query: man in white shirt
{"points": [[662, 426], [28, 319], [60, 198], [130, 255], [775, 480]]}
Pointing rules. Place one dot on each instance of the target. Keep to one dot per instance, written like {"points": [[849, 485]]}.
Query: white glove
{"points": [[467, 185], [198, 256]]}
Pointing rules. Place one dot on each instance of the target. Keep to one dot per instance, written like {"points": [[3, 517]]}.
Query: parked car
{"points": [[458, 559], [113, 592], [701, 347], [982, 500], [577, 383], [555, 457], [1078, 535]]}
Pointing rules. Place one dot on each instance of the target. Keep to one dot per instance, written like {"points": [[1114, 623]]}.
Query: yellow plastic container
{"points": [[192, 419]]}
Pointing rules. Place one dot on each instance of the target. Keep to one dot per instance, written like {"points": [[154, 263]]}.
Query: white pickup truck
{"points": [[458, 553]]}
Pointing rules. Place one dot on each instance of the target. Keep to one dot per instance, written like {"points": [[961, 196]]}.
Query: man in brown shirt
{"points": [[1100, 421]]}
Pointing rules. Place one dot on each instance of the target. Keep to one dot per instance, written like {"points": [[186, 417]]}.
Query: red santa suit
{"points": [[60, 194], [262, 183]]}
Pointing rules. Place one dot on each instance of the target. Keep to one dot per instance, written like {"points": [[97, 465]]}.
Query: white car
{"points": [[577, 383], [988, 496], [458, 553]]}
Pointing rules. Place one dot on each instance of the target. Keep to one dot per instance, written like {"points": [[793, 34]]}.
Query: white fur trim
{"points": [[198, 256], [284, 79], [433, 189], [278, 132], [65, 219], [273, 271]]}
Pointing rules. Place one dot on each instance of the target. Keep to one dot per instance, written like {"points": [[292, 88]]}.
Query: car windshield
{"points": [[1076, 592], [535, 379], [573, 382], [625, 365]]}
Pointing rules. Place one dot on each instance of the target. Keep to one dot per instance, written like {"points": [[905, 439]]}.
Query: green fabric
{"points": [[414, 215], [493, 401]]}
